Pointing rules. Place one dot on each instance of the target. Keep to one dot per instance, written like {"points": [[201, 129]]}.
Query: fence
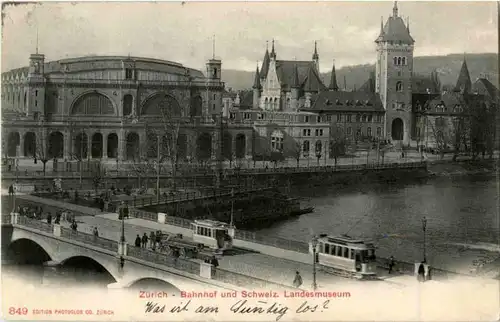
{"points": [[294, 245], [163, 259], [243, 280], [151, 216], [36, 224], [6, 219], [90, 239]]}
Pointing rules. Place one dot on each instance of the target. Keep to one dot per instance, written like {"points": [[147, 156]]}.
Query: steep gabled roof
{"points": [[285, 71], [484, 87], [369, 85], [265, 65], [463, 82], [256, 82], [448, 100], [313, 82]]}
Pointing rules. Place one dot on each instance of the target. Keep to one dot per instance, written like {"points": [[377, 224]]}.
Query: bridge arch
{"points": [[27, 251], [152, 283], [97, 271]]}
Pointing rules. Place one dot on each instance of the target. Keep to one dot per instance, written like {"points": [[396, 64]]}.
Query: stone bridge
{"points": [[54, 245]]}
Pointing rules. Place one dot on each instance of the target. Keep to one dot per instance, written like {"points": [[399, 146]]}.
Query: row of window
{"points": [[306, 147], [307, 132], [400, 61], [359, 132]]}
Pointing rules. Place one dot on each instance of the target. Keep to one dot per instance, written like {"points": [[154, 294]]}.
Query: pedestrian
{"points": [[421, 273], [58, 218], [95, 232], [297, 281], [152, 240], [138, 241], [101, 204], [74, 225], [49, 218], [11, 190], [391, 264], [144, 240]]}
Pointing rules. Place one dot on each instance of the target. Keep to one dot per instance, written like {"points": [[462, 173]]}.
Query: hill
{"points": [[447, 66]]}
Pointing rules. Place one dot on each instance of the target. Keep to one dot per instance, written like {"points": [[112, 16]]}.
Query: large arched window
{"points": [[305, 148], [92, 104], [404, 61], [266, 103], [277, 141], [399, 61], [161, 105], [399, 86], [127, 104]]}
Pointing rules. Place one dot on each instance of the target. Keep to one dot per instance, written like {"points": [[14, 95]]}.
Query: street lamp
{"points": [[122, 237], [314, 244], [424, 226]]}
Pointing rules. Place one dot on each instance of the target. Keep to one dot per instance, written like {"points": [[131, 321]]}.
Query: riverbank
{"points": [[447, 168]]}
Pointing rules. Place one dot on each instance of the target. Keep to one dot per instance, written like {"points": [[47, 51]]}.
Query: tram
{"points": [[346, 256], [214, 234]]}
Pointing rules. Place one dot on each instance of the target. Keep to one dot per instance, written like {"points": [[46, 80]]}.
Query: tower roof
{"points": [[311, 84], [256, 82], [333, 79], [265, 65], [273, 53], [395, 30], [315, 55], [463, 82]]}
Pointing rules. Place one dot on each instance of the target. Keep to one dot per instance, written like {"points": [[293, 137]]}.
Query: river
{"points": [[460, 211]]}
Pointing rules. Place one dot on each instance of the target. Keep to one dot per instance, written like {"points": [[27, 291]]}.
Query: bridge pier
{"points": [[52, 265]]}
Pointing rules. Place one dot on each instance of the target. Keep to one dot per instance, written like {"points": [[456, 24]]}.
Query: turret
{"points": [[35, 90], [333, 79], [315, 57], [257, 87], [273, 52], [464, 84], [265, 64]]}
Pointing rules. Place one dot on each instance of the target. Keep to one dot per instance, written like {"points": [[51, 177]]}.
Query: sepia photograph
{"points": [[250, 161]]}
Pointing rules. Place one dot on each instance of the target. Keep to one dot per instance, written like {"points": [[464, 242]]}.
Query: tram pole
{"points": [[424, 227], [314, 244]]}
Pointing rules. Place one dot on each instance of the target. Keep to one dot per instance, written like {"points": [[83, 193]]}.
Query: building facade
{"points": [[115, 108]]}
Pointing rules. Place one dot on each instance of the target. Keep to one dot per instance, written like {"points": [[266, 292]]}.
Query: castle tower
{"points": [[333, 79], [394, 75], [315, 57], [35, 89], [214, 85], [257, 87]]}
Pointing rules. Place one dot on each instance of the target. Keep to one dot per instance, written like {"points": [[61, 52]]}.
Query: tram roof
{"points": [[210, 223], [343, 239]]}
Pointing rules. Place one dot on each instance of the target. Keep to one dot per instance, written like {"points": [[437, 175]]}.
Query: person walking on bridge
{"points": [[144, 240], [297, 281], [138, 241]]}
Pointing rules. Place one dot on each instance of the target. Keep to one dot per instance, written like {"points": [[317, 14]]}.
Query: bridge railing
{"points": [[90, 239], [35, 224], [178, 221], [163, 259], [243, 280], [6, 219], [278, 242], [141, 214]]}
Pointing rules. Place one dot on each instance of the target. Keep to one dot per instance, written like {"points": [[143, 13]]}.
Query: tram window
{"points": [[346, 252], [371, 254], [339, 251], [198, 230], [352, 253], [327, 249], [333, 251], [364, 256]]}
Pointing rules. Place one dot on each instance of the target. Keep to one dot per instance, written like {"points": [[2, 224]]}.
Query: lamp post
{"points": [[122, 236], [424, 226], [314, 244]]}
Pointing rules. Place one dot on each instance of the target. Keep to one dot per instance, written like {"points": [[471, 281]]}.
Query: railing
{"points": [[178, 221], [146, 215], [36, 224], [243, 280], [163, 259], [90, 239], [6, 219], [294, 245]]}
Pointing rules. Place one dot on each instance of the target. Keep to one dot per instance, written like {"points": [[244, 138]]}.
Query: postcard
{"points": [[250, 161]]}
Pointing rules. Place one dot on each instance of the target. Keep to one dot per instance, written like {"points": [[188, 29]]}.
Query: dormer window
{"points": [[327, 102], [358, 103], [337, 101], [367, 102], [347, 102]]}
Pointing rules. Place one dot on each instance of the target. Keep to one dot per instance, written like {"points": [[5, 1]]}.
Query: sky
{"points": [[184, 32]]}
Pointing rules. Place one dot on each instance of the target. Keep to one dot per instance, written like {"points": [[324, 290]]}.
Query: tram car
{"points": [[346, 256], [214, 234]]}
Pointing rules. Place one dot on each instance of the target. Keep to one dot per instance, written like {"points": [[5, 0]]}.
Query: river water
{"points": [[459, 211]]}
